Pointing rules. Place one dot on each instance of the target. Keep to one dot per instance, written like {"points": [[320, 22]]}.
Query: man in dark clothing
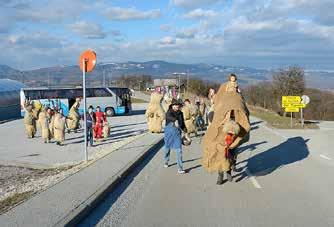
{"points": [[173, 134], [91, 119]]}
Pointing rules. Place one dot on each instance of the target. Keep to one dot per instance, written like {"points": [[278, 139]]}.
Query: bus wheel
{"points": [[110, 112]]}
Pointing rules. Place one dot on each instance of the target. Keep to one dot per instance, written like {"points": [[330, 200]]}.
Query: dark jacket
{"points": [[91, 119], [172, 116]]}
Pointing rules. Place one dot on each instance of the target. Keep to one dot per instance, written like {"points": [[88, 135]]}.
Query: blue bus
{"points": [[112, 100]]}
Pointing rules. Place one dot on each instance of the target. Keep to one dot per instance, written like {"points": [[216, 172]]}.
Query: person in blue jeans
{"points": [[173, 134], [91, 120]]}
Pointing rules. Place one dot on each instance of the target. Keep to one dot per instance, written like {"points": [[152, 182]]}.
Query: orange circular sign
{"points": [[89, 57]]}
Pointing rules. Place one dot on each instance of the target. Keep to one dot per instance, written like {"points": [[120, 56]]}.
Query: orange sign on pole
{"points": [[89, 57], [87, 62]]}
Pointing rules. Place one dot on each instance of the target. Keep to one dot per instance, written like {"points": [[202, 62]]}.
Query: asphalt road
{"points": [[16, 149], [280, 182]]}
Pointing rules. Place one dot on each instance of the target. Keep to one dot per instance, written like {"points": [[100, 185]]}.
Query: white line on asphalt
{"points": [[276, 133], [325, 157], [253, 180]]}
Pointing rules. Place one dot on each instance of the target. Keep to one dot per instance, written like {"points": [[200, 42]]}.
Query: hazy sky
{"points": [[258, 33]]}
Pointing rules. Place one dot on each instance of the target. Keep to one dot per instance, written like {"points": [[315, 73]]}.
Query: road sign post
{"points": [[87, 63], [305, 101], [84, 105], [293, 104]]}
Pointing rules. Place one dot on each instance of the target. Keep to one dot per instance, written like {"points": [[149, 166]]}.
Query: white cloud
{"points": [[188, 33], [200, 14], [122, 14], [167, 41], [191, 4], [88, 30]]}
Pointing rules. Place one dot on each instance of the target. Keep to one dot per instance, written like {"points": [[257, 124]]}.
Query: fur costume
{"points": [[106, 130], [73, 118], [30, 122], [155, 115], [59, 128], [189, 115], [43, 120], [215, 142]]}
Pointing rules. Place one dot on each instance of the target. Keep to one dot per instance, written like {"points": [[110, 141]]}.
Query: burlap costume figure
{"points": [[51, 125], [59, 128], [73, 118], [214, 142], [166, 103], [189, 115], [106, 130], [44, 120], [36, 108], [30, 122], [155, 115]]}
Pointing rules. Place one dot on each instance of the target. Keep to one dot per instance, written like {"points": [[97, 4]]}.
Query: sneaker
{"points": [[181, 171], [229, 177], [166, 165]]}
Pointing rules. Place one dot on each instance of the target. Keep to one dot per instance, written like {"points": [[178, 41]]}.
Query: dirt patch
{"points": [[15, 183], [13, 200]]}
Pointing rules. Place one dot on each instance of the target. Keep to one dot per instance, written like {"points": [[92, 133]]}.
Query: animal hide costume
{"points": [[229, 126], [155, 115]]}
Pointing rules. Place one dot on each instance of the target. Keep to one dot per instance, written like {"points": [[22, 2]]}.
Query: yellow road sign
{"points": [[295, 105], [292, 101], [291, 109]]}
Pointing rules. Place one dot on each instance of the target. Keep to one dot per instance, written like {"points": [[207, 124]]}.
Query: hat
{"points": [[176, 102]]}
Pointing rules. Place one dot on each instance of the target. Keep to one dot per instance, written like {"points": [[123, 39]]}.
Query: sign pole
{"points": [[291, 119], [302, 117], [84, 105]]}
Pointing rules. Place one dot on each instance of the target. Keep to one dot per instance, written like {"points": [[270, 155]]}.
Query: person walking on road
{"points": [[44, 121], [228, 130], [91, 119], [189, 116], [59, 127], [73, 119], [100, 119], [29, 122], [173, 134], [155, 114]]}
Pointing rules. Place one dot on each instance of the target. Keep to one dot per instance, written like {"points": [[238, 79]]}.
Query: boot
{"points": [[220, 179], [229, 176]]}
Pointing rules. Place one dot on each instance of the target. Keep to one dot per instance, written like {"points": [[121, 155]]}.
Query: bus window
{"points": [[101, 92]]}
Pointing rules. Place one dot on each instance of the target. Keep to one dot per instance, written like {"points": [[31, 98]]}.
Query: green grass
{"points": [[136, 100], [13, 200], [277, 121]]}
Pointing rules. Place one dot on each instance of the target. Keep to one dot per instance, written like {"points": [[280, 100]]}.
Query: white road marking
{"points": [[253, 180], [275, 132], [325, 157]]}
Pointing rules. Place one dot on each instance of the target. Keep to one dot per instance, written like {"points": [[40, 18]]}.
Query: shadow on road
{"points": [[117, 126], [255, 127], [137, 112], [291, 151], [255, 123], [251, 147]]}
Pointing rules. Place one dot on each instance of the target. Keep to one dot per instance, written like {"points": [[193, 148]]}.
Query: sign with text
{"points": [[292, 102], [291, 109]]}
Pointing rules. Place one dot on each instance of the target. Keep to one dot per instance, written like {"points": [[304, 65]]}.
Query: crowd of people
{"points": [[53, 124], [223, 112]]}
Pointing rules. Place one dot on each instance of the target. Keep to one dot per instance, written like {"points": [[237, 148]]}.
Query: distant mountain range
{"points": [[71, 75]]}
